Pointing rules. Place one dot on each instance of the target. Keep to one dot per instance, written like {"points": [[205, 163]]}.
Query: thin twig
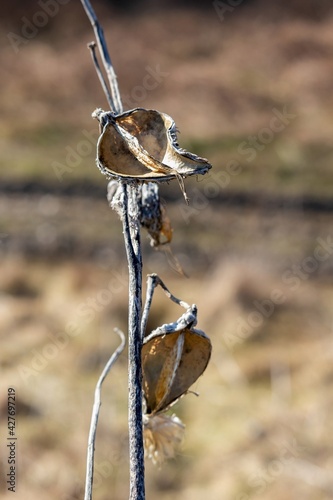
{"points": [[155, 281], [92, 48], [151, 284], [95, 415], [99, 34], [187, 319]]}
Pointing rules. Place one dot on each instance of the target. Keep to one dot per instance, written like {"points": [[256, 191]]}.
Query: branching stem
{"points": [[129, 212], [103, 50]]}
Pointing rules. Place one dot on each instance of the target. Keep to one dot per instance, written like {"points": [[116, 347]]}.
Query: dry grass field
{"points": [[251, 92]]}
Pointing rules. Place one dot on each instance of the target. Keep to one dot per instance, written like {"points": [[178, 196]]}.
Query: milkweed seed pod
{"points": [[142, 144], [173, 358]]}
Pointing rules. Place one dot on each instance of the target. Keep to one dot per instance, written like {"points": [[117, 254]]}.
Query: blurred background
{"points": [[249, 84]]}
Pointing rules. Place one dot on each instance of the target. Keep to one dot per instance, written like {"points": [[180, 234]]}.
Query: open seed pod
{"points": [[142, 144], [171, 362]]}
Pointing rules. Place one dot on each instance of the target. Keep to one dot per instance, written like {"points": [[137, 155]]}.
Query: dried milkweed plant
{"points": [[136, 150]]}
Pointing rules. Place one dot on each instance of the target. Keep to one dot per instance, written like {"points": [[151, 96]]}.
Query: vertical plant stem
{"points": [[131, 228]]}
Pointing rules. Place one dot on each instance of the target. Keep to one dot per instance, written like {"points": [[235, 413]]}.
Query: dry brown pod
{"points": [[142, 144], [171, 362]]}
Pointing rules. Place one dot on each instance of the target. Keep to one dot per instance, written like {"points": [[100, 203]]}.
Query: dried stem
{"points": [[92, 48], [95, 415], [153, 280], [151, 284], [129, 211], [131, 229], [116, 106]]}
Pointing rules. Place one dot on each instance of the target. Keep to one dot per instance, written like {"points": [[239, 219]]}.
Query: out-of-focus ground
{"points": [[253, 93]]}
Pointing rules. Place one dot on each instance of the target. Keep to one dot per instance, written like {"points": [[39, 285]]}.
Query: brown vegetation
{"points": [[260, 272]]}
